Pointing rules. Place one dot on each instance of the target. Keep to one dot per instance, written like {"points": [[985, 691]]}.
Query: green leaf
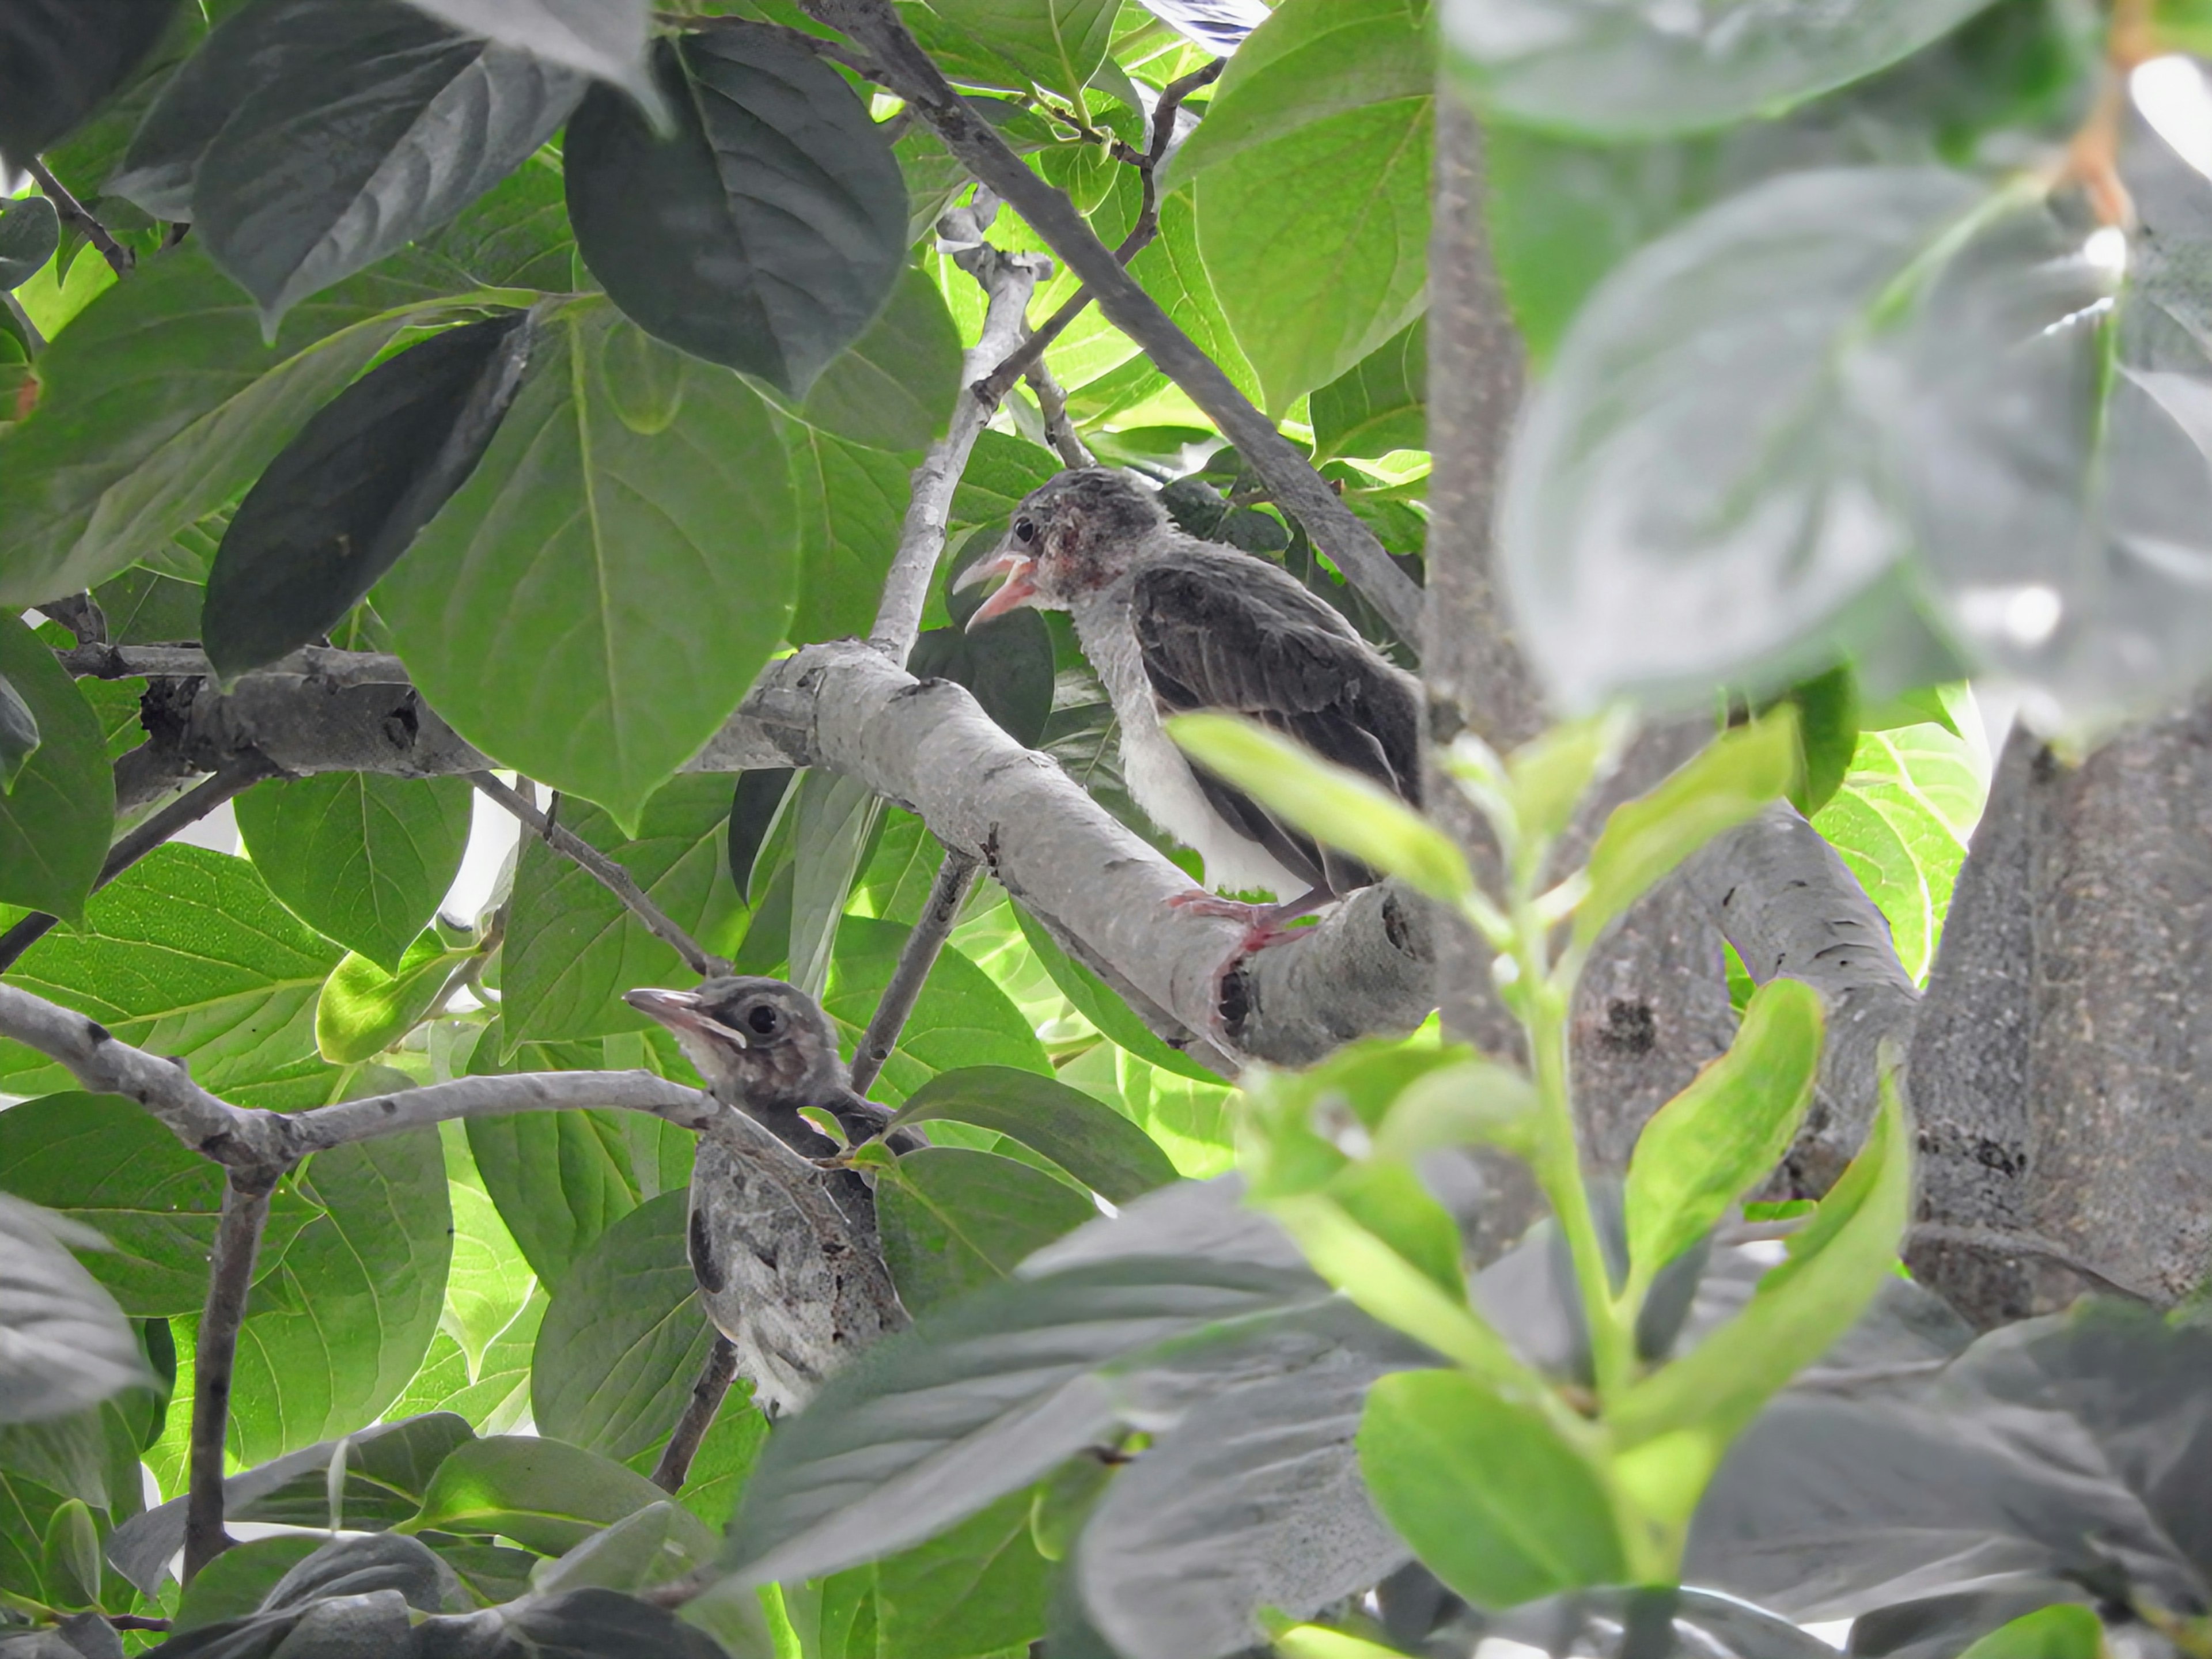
{"points": [[852, 501], [1007, 663], [1618, 71], [1827, 732], [188, 953], [233, 1584], [624, 1339], [362, 859], [334, 1334], [489, 1278], [1314, 281], [833, 819], [2059, 1633], [62, 62], [1097, 1002], [768, 232], [1837, 1263], [499, 1399], [1095, 1143], [1900, 823], [961, 1018], [1490, 1497], [593, 602], [1332, 803], [29, 234], [162, 404], [1643, 840], [1697, 492], [106, 1161], [144, 607], [1059, 44], [1718, 1139], [289, 201], [1379, 404], [953, 1221], [606, 39], [1171, 270], [347, 497], [573, 948], [725, 1459], [546, 1496], [894, 387], [363, 1011], [59, 809], [1312, 59], [977, 1588]]}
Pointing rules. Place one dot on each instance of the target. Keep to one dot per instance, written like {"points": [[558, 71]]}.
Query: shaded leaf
{"points": [[977, 1588], [604, 38], [29, 234], [67, 1344], [544, 1495], [60, 59], [894, 387], [852, 501], [833, 817], [336, 510], [961, 1018], [59, 809], [1097, 1002], [1379, 404], [954, 1220], [1095, 1143], [1008, 664], [232, 1585]]}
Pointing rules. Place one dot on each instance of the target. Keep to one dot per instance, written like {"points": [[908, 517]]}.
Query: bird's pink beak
{"points": [[679, 1010], [1020, 588]]}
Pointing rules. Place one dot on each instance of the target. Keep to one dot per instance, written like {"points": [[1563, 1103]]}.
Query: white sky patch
{"points": [[493, 832], [2025, 615], [2107, 250], [2172, 94]]}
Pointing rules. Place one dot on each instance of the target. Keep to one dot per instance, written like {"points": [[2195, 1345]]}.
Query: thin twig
{"points": [[910, 72], [609, 874], [707, 1396], [1008, 280], [75, 212], [1052, 402], [230, 1276], [179, 814], [1140, 237], [956, 877]]}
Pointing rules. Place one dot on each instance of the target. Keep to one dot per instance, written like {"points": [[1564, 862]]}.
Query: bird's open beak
{"points": [[679, 1010], [1020, 588]]}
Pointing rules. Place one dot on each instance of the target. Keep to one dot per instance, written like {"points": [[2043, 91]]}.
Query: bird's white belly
{"points": [[1160, 778]]}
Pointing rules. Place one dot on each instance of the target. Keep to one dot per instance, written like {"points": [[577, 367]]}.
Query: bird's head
{"points": [[757, 1041], [1070, 536]]}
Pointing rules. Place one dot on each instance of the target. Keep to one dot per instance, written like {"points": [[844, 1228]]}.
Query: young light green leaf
{"points": [[1320, 1642], [1059, 44], [954, 1220], [1380, 403], [1550, 774], [59, 808], [1331, 803], [1095, 1143], [1494, 1501], [1646, 838], [362, 859], [593, 601], [1712, 1143], [363, 1011], [1836, 1265], [1469, 1103], [544, 1495], [2066, 1632]]}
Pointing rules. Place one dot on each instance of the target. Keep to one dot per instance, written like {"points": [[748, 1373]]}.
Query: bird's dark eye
{"points": [[763, 1019], [1025, 530]]}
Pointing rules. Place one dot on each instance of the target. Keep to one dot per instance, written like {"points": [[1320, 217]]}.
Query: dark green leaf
{"points": [[1095, 1143], [1002, 469], [624, 1339], [290, 202], [544, 1495], [600, 1623], [572, 947], [106, 1162], [161, 404], [894, 387], [59, 809], [336, 1332], [754, 810], [60, 59], [67, 1344], [1490, 1497], [1639, 71], [188, 953], [336, 510], [954, 1221], [363, 1011], [852, 503], [1827, 735], [768, 232], [362, 859], [1007, 663], [29, 233], [1097, 1002], [962, 1017], [604, 38], [232, 1585], [1379, 405], [1059, 44], [91, 1454], [594, 602], [144, 607]]}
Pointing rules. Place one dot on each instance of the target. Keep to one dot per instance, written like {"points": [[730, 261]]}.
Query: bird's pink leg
{"points": [[1264, 925]]}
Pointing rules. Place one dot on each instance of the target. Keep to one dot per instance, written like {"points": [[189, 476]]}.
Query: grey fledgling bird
{"points": [[1173, 624], [797, 1285]]}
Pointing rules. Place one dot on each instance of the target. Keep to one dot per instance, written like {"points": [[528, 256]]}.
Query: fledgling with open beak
{"points": [[767, 1048], [1173, 624]]}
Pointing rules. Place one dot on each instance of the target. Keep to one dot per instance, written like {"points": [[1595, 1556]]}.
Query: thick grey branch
{"points": [[1290, 478], [956, 879], [498, 1096], [230, 1276], [75, 213], [609, 874]]}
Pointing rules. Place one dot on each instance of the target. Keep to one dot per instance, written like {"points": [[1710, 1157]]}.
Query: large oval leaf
{"points": [[1059, 44], [59, 813], [954, 1220], [768, 232], [604, 38], [63, 1343], [1094, 1143], [594, 602], [59, 59]]}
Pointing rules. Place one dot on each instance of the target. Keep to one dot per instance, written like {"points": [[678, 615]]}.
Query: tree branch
{"points": [[956, 879], [75, 212], [179, 814], [230, 1276], [365, 1119], [609, 874], [1052, 403], [1290, 479], [1008, 280], [707, 1396]]}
